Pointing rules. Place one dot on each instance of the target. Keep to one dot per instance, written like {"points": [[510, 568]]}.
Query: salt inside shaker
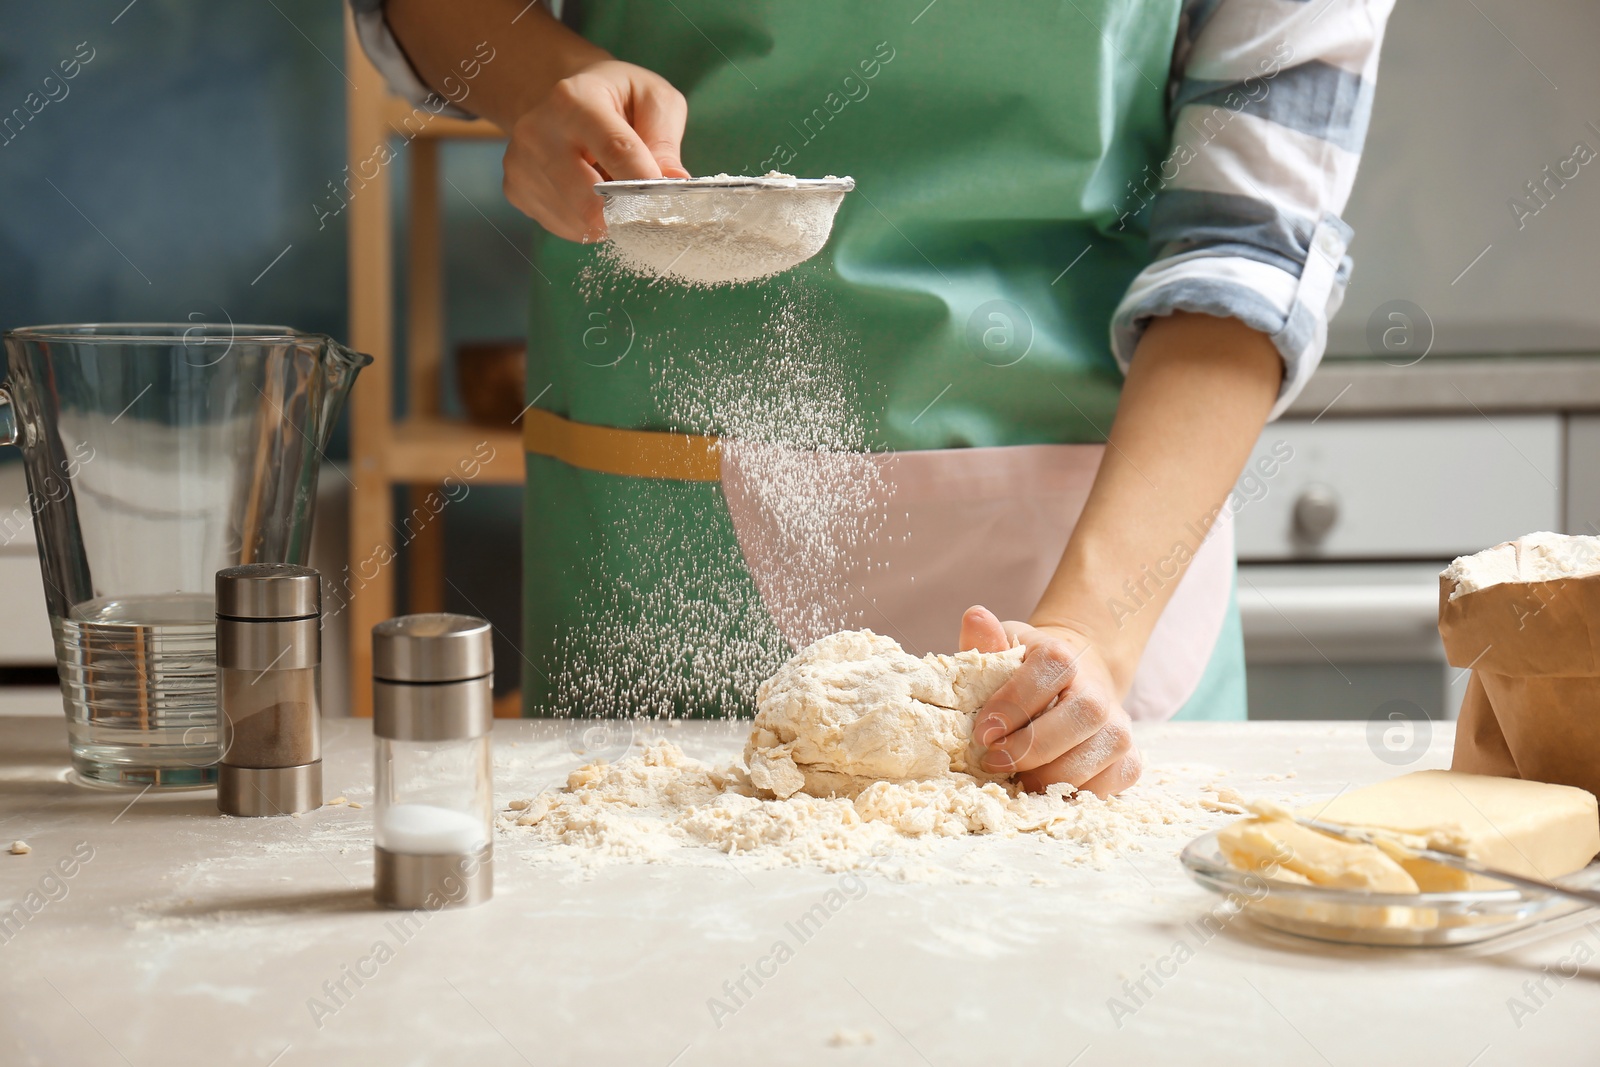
{"points": [[269, 689], [433, 707]]}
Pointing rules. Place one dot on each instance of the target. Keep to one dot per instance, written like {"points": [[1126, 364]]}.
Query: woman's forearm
{"points": [[1198, 392], [532, 51]]}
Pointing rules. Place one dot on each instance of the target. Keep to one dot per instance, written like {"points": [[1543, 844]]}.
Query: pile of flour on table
{"points": [[859, 752]]}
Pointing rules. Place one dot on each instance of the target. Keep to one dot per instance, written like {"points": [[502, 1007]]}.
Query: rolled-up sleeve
{"points": [[1270, 106], [372, 30]]}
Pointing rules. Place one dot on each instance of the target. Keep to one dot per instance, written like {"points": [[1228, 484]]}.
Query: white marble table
{"points": [[189, 939]]}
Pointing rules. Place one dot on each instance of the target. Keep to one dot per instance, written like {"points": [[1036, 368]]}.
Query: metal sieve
{"points": [[719, 230]]}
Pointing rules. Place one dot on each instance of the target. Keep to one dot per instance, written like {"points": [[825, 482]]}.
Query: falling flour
{"points": [[858, 758], [700, 633]]}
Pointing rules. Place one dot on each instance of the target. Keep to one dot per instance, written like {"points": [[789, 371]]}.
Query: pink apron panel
{"points": [[905, 549]]}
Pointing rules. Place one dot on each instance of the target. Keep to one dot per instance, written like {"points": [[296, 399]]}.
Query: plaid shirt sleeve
{"points": [[1269, 103], [372, 30]]}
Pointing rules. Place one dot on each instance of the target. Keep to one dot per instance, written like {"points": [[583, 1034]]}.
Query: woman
{"points": [[1030, 177]]}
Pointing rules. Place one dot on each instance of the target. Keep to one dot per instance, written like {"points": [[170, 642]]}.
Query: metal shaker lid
{"points": [[434, 647], [268, 591]]}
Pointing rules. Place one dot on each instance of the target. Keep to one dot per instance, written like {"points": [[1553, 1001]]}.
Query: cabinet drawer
{"points": [[1398, 488], [24, 624]]}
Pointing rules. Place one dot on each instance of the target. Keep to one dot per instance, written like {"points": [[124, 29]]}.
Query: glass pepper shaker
{"points": [[433, 707], [269, 689]]}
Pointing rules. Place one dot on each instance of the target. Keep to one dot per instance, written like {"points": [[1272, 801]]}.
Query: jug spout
{"points": [[339, 365], [347, 359]]}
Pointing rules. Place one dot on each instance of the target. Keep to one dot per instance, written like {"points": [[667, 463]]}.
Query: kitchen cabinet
{"points": [[1379, 476], [1389, 488], [24, 624]]}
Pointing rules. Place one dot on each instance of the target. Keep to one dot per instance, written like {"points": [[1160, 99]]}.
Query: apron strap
{"points": [[628, 453]]}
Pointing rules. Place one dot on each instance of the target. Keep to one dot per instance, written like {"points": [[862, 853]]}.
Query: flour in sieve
{"points": [[696, 233], [708, 253]]}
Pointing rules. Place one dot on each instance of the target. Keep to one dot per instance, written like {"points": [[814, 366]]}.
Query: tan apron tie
{"points": [[628, 453]]}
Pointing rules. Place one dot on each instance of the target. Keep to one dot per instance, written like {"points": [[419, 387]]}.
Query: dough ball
{"points": [[855, 708]]}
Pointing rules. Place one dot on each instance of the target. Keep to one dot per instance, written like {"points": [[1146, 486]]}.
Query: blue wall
{"points": [[191, 143]]}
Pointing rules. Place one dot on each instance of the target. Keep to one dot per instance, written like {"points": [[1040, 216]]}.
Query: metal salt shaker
{"points": [[269, 689], [433, 708]]}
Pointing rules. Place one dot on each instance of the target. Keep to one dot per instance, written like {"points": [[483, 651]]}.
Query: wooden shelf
{"points": [[409, 122], [426, 451], [422, 449]]}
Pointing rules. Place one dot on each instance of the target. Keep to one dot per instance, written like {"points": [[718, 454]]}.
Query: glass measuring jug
{"points": [[157, 454]]}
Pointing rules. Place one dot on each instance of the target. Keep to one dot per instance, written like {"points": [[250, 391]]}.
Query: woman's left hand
{"points": [[1059, 718]]}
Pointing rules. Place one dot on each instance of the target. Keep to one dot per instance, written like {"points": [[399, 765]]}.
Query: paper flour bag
{"points": [[1525, 617]]}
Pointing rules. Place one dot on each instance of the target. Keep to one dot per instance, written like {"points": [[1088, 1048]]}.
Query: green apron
{"points": [[992, 146]]}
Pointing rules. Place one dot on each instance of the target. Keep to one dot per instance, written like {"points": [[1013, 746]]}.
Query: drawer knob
{"points": [[1316, 510]]}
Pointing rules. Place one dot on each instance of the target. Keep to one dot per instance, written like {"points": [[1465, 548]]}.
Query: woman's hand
{"points": [[1058, 719], [609, 121], [575, 115]]}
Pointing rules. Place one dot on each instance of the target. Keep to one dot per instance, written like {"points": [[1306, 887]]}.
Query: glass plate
{"points": [[1360, 918]]}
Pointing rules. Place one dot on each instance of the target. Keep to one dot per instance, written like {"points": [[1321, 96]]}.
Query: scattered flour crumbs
{"points": [[859, 754]]}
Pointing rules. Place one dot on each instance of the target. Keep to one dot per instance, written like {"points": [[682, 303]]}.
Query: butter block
{"points": [[1529, 828], [1276, 847]]}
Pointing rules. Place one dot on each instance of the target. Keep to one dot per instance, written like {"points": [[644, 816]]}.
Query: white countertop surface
{"points": [[192, 939]]}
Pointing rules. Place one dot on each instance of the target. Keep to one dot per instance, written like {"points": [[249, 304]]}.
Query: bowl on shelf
{"points": [[491, 376]]}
